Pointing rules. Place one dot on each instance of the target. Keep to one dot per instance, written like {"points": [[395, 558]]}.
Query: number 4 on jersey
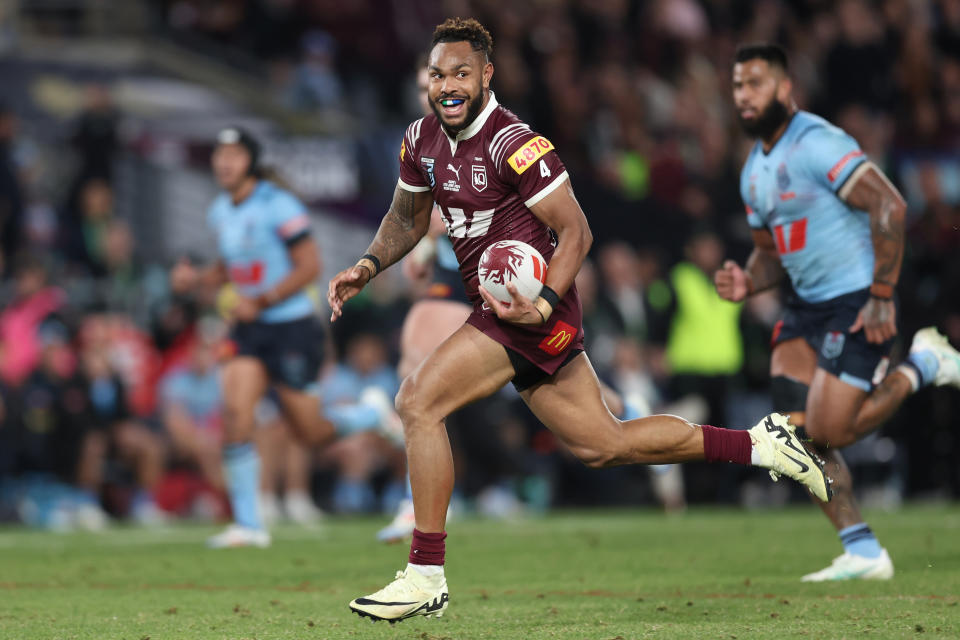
{"points": [[544, 169]]}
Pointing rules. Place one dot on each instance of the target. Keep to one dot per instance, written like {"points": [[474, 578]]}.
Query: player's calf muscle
{"points": [[597, 457], [643, 441]]}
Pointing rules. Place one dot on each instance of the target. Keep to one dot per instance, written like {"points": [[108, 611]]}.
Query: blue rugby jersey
{"points": [[253, 238], [824, 244]]}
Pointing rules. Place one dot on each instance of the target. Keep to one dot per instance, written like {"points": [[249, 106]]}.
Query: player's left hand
{"points": [[519, 311], [245, 310], [878, 319]]}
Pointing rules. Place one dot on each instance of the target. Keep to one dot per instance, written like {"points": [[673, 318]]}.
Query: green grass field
{"points": [[596, 575]]}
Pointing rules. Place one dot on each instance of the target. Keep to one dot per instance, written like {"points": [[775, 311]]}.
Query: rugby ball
{"points": [[512, 261]]}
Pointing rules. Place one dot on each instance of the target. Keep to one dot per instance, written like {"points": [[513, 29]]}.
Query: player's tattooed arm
{"points": [[403, 226], [869, 190], [405, 223], [764, 269], [872, 192]]}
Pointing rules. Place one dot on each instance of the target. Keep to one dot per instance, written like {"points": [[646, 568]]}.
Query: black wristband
{"points": [[375, 260], [550, 296]]}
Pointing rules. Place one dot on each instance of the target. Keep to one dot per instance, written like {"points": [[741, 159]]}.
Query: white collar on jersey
{"points": [[476, 125]]}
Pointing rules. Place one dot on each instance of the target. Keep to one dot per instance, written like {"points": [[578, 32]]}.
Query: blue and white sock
{"points": [[858, 540], [241, 464], [353, 418], [920, 367]]}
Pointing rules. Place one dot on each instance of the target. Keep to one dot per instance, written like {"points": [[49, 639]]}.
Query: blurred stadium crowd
{"points": [[108, 360]]}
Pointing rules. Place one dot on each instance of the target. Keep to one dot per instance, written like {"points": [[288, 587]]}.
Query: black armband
{"points": [[550, 296]]}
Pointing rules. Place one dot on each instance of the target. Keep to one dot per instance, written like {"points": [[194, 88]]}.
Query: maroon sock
{"points": [[726, 445], [427, 548]]}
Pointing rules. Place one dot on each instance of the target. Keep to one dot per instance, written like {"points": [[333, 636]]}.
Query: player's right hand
{"points": [[731, 282], [344, 286]]}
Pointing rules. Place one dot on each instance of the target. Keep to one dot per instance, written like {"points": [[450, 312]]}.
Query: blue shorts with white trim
{"points": [[825, 326]]}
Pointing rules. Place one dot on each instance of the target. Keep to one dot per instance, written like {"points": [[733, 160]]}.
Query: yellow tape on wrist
{"points": [[369, 265], [544, 308]]}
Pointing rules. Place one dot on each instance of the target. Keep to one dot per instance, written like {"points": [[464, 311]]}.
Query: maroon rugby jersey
{"points": [[484, 182]]}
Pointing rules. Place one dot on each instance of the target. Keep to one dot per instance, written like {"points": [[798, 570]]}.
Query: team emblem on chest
{"points": [[783, 178], [479, 176]]}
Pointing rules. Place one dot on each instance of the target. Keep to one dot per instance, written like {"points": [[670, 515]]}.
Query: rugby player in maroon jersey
{"points": [[495, 179]]}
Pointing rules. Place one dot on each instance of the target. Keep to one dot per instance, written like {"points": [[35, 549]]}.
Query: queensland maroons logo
{"points": [[479, 174], [501, 261]]}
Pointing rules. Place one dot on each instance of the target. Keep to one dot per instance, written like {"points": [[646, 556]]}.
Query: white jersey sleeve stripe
{"points": [[409, 187], [499, 142], [507, 141], [497, 149], [547, 190], [851, 182], [499, 134], [413, 132]]}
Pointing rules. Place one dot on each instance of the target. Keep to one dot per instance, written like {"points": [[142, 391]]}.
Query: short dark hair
{"points": [[772, 53], [242, 137], [464, 30]]}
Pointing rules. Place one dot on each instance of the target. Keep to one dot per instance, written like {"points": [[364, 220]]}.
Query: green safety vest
{"points": [[705, 330]]}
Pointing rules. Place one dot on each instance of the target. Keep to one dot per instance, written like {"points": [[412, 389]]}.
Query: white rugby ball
{"points": [[512, 261]]}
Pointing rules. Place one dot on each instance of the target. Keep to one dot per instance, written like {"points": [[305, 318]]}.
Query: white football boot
{"points": [[850, 567], [299, 508], [237, 536], [410, 594], [776, 447], [948, 359]]}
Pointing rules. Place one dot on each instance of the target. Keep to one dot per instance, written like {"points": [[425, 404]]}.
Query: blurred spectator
{"points": [[115, 432], [11, 196], [95, 135], [34, 300], [173, 313], [286, 466], [620, 271], [704, 348], [365, 365], [315, 83], [84, 234], [120, 287], [858, 66], [191, 406], [602, 322], [58, 452]]}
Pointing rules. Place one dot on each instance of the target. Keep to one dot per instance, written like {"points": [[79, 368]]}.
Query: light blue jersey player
{"points": [[824, 215], [270, 258], [254, 237], [796, 191]]}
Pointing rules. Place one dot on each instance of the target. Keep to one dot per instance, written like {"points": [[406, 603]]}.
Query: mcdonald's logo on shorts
{"points": [[559, 339]]}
